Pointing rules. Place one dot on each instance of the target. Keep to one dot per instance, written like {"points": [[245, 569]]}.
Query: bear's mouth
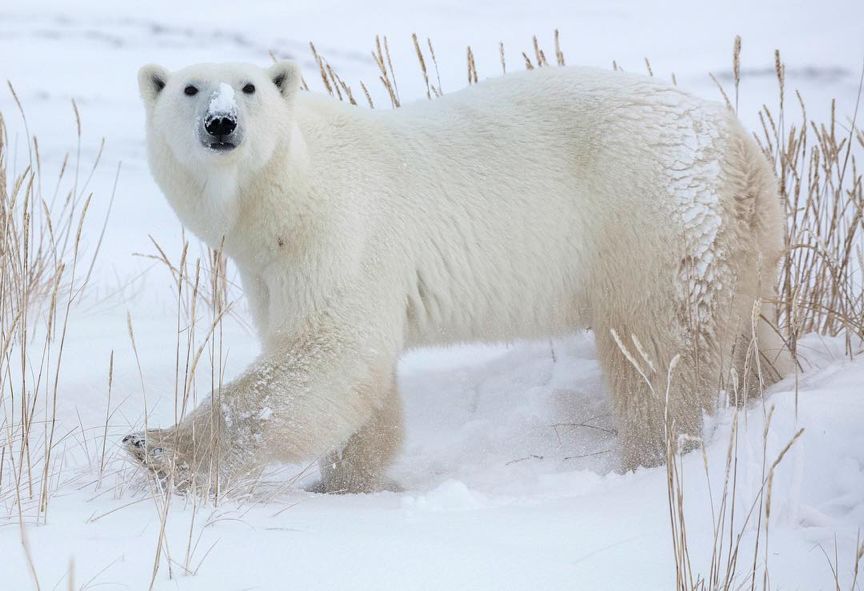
{"points": [[222, 146]]}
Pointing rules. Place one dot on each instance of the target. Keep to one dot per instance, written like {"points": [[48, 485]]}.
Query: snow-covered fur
{"points": [[527, 206]]}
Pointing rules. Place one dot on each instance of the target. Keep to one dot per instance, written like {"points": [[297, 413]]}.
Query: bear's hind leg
{"points": [[360, 465], [640, 395]]}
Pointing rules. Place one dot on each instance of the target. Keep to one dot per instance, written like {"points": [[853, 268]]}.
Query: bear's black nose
{"points": [[220, 126]]}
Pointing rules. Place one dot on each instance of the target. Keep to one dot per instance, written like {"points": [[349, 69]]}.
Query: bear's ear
{"points": [[151, 80], [286, 76]]}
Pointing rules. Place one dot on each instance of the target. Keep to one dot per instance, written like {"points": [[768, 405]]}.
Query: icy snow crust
{"points": [[693, 171], [508, 465]]}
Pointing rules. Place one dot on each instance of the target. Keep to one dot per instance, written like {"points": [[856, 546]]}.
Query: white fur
{"points": [[522, 207]]}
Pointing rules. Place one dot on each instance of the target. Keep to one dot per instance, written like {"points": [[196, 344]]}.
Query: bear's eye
{"points": [[190, 90], [249, 88]]}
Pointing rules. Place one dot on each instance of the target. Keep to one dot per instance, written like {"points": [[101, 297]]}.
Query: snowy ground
{"points": [[509, 464]]}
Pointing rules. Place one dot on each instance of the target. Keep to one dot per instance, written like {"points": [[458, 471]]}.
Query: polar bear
{"points": [[527, 206]]}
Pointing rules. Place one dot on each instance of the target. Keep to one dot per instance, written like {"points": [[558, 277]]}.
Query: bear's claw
{"points": [[136, 445], [134, 440]]}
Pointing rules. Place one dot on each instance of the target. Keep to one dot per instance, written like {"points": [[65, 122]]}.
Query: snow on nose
{"points": [[222, 101], [221, 117]]}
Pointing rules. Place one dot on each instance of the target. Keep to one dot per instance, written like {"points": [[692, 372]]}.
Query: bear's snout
{"points": [[220, 126], [221, 132]]}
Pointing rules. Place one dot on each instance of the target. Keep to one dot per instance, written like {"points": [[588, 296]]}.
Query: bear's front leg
{"points": [[315, 393], [200, 452]]}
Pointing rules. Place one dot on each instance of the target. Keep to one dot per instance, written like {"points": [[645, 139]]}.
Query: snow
{"points": [[509, 465], [222, 101]]}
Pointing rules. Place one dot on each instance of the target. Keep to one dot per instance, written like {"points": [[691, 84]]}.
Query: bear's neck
{"points": [[269, 208], [223, 206], [300, 210]]}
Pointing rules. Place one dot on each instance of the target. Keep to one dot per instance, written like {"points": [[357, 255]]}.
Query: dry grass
{"points": [[201, 290], [820, 283], [42, 275]]}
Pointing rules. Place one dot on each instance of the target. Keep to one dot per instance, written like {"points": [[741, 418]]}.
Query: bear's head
{"points": [[219, 115], [211, 128]]}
